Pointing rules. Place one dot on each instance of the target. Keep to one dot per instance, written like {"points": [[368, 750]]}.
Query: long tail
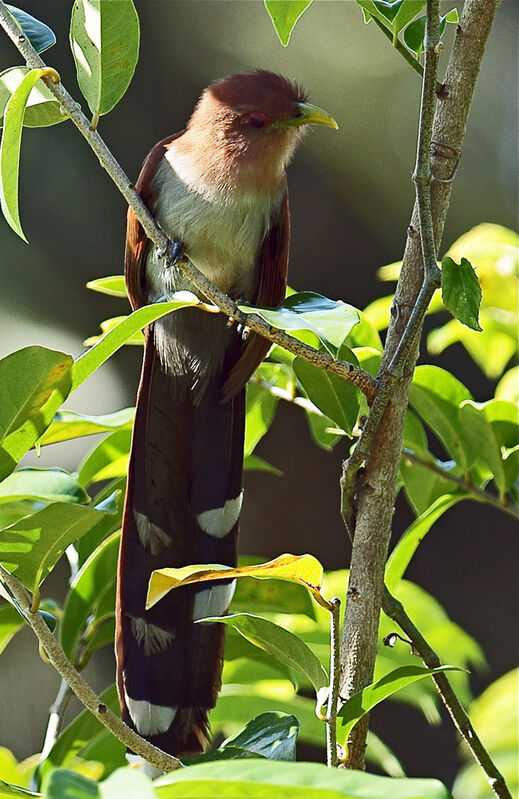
{"points": [[182, 506]]}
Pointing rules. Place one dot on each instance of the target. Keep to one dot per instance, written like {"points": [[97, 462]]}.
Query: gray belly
{"points": [[223, 240]]}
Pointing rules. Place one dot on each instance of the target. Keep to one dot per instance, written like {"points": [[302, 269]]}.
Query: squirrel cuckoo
{"points": [[218, 190]]}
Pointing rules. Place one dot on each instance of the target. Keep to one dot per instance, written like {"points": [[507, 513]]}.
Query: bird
{"points": [[218, 190]]}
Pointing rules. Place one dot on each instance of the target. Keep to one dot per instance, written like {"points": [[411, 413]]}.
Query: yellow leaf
{"points": [[303, 569]]}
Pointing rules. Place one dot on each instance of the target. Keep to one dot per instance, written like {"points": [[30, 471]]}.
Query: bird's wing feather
{"points": [[136, 238], [273, 266]]}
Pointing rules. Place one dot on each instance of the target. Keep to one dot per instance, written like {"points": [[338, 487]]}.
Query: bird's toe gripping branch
{"points": [[173, 252]]}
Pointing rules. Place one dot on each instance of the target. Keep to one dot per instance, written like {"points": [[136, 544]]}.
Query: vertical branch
{"points": [[380, 445], [377, 489], [333, 695]]}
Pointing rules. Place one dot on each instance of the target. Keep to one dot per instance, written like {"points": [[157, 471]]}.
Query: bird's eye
{"points": [[256, 119]]}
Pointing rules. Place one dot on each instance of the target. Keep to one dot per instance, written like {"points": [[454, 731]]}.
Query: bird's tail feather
{"points": [[182, 507]]}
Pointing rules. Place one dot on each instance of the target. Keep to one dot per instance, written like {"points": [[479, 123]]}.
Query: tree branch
{"points": [[477, 493], [335, 673], [84, 693], [381, 442], [348, 371], [395, 610]]}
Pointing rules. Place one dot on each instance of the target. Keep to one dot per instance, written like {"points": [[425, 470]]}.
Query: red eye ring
{"points": [[256, 119]]}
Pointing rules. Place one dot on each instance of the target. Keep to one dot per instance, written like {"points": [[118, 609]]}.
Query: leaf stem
{"points": [[335, 673], [393, 608], [75, 681], [477, 493], [399, 47], [348, 371]]}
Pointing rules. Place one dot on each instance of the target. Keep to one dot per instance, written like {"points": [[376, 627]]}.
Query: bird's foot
{"points": [[174, 252]]}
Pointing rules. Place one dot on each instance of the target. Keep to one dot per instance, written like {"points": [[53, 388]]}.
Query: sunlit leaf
{"points": [[109, 343], [436, 395], [46, 485], [406, 547], [330, 320], [363, 701], [114, 285], [279, 643], [253, 463], [42, 108], [91, 595], [260, 409], [461, 292], [271, 779], [284, 15], [62, 783], [30, 548], [34, 382], [104, 37], [303, 569], [67, 425], [109, 459], [489, 426], [10, 147]]}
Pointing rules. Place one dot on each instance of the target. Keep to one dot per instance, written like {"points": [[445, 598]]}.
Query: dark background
{"points": [[351, 198]]}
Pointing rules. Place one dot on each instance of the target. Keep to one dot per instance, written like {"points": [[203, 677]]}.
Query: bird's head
{"points": [[251, 124]]}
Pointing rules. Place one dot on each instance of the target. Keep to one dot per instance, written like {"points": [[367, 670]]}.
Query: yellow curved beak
{"points": [[309, 114]]}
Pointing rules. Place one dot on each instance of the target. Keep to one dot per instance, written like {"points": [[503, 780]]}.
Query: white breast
{"points": [[222, 235]]}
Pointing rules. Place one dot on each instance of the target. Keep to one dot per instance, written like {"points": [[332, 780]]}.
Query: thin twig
{"points": [[335, 669], [477, 493], [84, 693], [55, 719], [348, 371], [393, 608]]}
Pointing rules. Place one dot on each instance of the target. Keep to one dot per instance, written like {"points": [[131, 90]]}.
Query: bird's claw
{"points": [[174, 251]]}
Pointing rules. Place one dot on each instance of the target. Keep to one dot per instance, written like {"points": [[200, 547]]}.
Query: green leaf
{"points": [[34, 382], [67, 425], [40, 36], [330, 320], [31, 547], [109, 459], [91, 596], [508, 386], [104, 37], [42, 108], [47, 485], [79, 733], [424, 486], [284, 15], [363, 701], [435, 396], [105, 748], [135, 340], [253, 463], [245, 662], [269, 779], [127, 783], [114, 285], [494, 715], [393, 14], [270, 596], [15, 791], [10, 623], [10, 147], [65, 784], [323, 431], [279, 643], [489, 426], [461, 292], [93, 358], [260, 409], [414, 34], [272, 735], [336, 398], [408, 544]]}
